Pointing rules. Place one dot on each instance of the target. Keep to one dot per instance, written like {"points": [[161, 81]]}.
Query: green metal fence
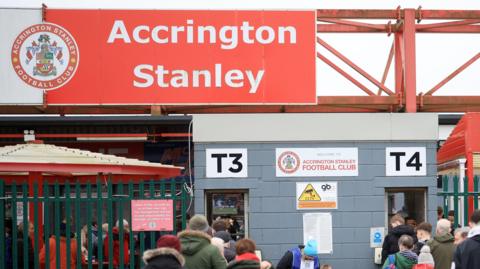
{"points": [[70, 207], [457, 194]]}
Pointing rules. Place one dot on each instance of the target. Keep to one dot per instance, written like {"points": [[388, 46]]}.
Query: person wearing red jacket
{"points": [[116, 246], [52, 245]]}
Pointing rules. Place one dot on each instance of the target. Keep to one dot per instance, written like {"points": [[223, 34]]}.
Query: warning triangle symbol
{"points": [[309, 194]]}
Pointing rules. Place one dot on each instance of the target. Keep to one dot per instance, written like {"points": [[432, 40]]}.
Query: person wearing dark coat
{"points": [[467, 254], [163, 258], [20, 246], [390, 243]]}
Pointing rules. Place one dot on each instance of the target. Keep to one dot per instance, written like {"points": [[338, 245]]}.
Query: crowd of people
{"points": [[406, 246], [199, 246], [409, 246]]}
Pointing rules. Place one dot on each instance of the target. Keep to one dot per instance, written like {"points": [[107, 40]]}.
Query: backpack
{"points": [[391, 262]]}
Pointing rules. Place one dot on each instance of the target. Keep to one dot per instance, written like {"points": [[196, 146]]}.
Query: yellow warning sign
{"points": [[309, 194]]}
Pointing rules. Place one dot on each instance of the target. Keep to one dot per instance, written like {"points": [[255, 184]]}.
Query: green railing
{"points": [[70, 207], [456, 194]]}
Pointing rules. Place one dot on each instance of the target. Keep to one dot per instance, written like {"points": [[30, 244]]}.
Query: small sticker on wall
{"points": [[317, 195]]}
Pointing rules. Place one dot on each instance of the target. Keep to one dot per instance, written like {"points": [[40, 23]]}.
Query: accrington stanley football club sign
{"points": [[133, 57]]}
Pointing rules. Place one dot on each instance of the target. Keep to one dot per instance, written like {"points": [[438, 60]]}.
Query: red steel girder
{"points": [[423, 14], [410, 61], [453, 74], [354, 66]]}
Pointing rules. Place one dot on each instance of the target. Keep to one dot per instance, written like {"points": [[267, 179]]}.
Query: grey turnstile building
{"points": [[269, 214]]}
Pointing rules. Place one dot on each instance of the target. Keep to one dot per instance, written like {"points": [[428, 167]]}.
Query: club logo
{"points": [[45, 56], [288, 162]]}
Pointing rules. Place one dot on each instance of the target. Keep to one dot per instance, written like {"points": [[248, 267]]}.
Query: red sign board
{"points": [[152, 215], [130, 57]]}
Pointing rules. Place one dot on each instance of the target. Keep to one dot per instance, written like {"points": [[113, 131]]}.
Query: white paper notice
{"points": [[318, 226], [307, 264]]}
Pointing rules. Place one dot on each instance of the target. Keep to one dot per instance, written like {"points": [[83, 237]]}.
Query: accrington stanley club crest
{"points": [[45, 56]]}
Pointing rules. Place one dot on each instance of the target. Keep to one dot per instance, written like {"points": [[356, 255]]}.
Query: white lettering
{"points": [[136, 34], [270, 34], [156, 37], [232, 75], [292, 32], [229, 42], [148, 79], [114, 34], [207, 78], [254, 81]]}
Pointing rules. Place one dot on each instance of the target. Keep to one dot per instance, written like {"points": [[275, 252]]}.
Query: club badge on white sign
{"points": [[226, 163]]}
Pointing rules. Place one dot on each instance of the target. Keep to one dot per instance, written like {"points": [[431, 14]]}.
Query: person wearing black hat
{"points": [[228, 253]]}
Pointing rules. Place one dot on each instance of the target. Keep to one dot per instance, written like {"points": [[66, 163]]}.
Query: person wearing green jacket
{"points": [[405, 258], [196, 247], [441, 246]]}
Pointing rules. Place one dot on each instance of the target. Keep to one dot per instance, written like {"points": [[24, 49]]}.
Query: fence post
{"points": [[131, 243], [455, 201], [89, 225], [121, 238], [46, 219], [36, 226], [151, 192], [184, 206], [100, 221], [14, 226], [142, 234], [110, 224], [2, 228], [445, 196], [56, 189], [26, 228], [465, 200], [475, 189], [77, 221], [173, 191], [68, 224]]}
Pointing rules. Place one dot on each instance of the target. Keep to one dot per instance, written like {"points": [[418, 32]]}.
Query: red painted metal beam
{"points": [[410, 61], [397, 14], [464, 29], [355, 24], [445, 24], [89, 168], [453, 74], [103, 135], [387, 67], [354, 66], [345, 74], [399, 63]]}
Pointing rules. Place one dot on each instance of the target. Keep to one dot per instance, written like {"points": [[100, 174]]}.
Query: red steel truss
{"points": [[404, 24]]}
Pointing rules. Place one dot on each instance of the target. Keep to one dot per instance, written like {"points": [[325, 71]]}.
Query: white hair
{"points": [[443, 227], [125, 223]]}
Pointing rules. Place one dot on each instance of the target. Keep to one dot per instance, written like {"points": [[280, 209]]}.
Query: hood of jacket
{"points": [[244, 264], [158, 253], [193, 241], [444, 238], [403, 229], [406, 259], [474, 231]]}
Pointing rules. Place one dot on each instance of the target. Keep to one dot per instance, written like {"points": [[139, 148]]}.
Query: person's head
{"points": [[443, 227], [310, 249], [218, 243], [439, 212], [105, 228], [460, 235], [326, 266], [425, 256], [245, 246], [475, 218], [451, 216], [124, 222], [397, 220], [225, 236], [198, 223], [8, 226], [169, 241], [405, 242], [30, 228], [219, 225], [424, 231], [411, 222]]}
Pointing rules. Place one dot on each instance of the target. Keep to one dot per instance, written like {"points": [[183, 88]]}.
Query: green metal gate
{"points": [[70, 207], [457, 194]]}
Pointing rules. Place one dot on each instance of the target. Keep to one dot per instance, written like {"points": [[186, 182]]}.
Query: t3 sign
{"points": [[408, 161], [227, 163]]}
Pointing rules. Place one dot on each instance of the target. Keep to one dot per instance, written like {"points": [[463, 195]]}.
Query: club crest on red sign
{"points": [[45, 56]]}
